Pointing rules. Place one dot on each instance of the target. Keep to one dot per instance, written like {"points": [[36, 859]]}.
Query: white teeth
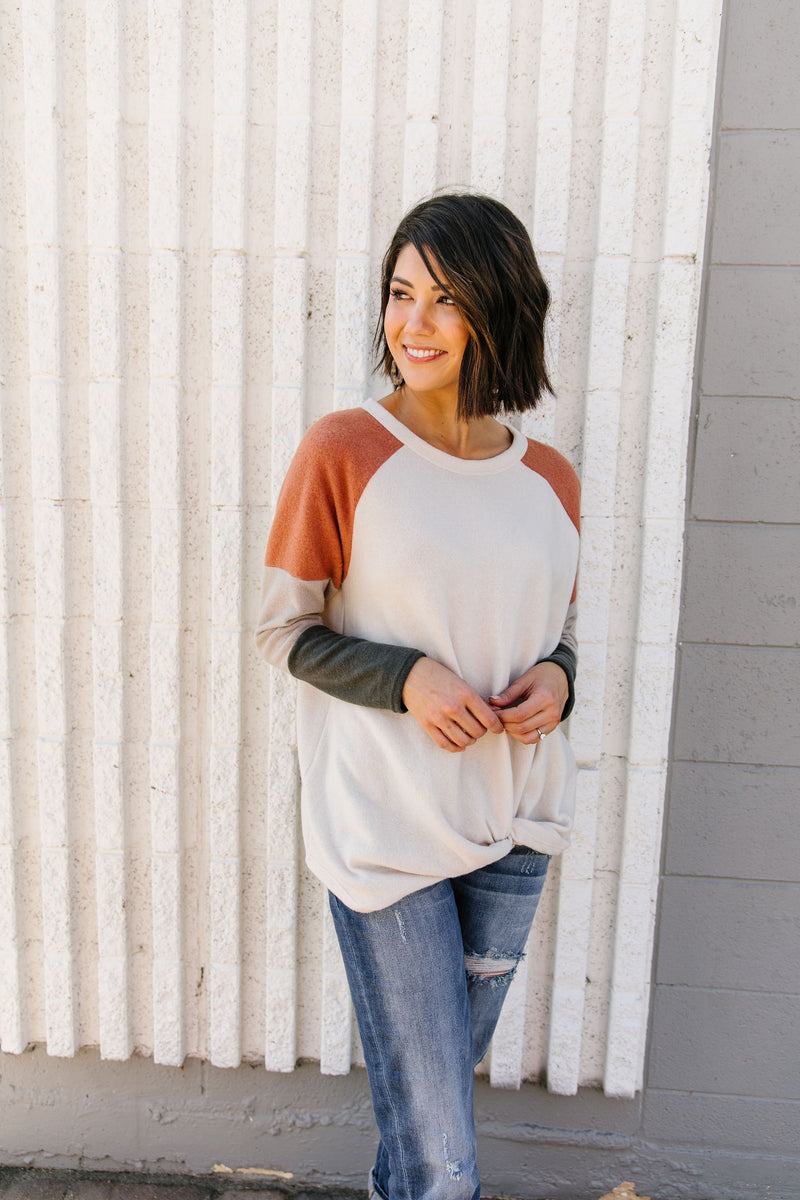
{"points": [[421, 353]]}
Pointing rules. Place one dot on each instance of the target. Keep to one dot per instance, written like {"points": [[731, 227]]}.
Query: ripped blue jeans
{"points": [[428, 977]]}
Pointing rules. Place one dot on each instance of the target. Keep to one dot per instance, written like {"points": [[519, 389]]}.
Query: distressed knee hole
{"points": [[492, 967], [453, 1167]]}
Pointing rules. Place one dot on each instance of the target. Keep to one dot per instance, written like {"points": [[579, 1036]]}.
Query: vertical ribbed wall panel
{"points": [[12, 1004], [351, 370], [351, 366], [609, 325], [43, 175], [490, 91], [243, 165], [554, 125], [423, 83], [104, 264], [165, 153], [662, 544], [289, 308], [12, 1037], [553, 132], [227, 434]]}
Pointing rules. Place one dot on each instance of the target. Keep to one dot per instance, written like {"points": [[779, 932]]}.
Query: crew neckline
{"points": [[440, 458]]}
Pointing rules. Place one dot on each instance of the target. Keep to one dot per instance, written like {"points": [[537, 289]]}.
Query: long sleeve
{"points": [[565, 656], [353, 669], [307, 558]]}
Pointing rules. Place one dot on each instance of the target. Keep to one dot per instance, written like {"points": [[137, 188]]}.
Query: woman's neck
{"points": [[433, 418]]}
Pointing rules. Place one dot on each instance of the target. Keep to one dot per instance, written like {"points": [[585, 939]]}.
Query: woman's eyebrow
{"points": [[435, 287]]}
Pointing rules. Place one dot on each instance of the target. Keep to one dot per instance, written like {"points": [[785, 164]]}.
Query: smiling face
{"points": [[424, 329]]}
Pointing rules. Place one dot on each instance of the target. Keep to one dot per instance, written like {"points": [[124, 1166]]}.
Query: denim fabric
{"points": [[428, 977]]}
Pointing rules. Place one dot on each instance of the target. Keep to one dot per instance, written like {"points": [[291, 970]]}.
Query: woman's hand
{"points": [[451, 712], [532, 705]]}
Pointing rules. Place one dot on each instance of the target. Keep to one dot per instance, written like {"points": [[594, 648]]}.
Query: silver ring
{"points": [[541, 733]]}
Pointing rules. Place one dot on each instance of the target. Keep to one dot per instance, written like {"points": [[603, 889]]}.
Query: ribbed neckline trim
{"points": [[440, 458]]}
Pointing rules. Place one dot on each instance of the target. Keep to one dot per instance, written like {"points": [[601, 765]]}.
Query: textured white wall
{"points": [[195, 198]]}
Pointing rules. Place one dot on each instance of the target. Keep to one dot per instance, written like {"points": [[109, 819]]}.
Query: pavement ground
{"points": [[31, 1183], [27, 1183]]}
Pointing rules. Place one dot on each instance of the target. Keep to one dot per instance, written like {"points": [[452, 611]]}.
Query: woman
{"points": [[420, 583]]}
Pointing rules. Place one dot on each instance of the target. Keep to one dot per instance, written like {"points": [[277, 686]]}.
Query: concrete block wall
{"points": [[724, 1061]]}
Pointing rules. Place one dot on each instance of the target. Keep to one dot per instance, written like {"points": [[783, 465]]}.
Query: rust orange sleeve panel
{"points": [[560, 474], [553, 467], [311, 534]]}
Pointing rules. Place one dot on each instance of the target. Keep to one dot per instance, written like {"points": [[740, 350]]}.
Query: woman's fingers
{"points": [[530, 715], [479, 717], [450, 737], [526, 726], [436, 735], [455, 716], [525, 720], [459, 736], [533, 702], [546, 681], [448, 709], [530, 735]]}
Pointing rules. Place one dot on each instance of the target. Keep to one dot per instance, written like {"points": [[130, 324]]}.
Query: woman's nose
{"points": [[419, 318]]}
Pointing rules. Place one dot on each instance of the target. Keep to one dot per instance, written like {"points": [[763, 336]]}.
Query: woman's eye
{"points": [[446, 300], [398, 294]]}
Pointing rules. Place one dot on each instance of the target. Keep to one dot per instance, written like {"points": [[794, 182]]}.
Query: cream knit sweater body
{"points": [[379, 536]]}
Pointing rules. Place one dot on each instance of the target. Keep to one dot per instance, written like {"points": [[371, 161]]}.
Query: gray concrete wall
{"points": [[720, 1113], [724, 1056]]}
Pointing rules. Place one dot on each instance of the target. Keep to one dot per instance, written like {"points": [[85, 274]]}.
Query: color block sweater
{"points": [[383, 549]]}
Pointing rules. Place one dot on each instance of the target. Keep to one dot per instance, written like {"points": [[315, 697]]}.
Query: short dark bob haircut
{"points": [[481, 255]]}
